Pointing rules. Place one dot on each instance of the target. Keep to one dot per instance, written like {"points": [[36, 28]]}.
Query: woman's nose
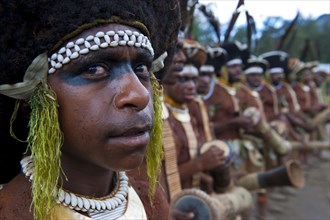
{"points": [[180, 56], [132, 93], [191, 84]]}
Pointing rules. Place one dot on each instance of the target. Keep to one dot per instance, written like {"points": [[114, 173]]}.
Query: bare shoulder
{"points": [[139, 180], [15, 199]]}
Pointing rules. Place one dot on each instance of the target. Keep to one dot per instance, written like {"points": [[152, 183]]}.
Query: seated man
{"points": [[308, 96], [188, 139], [289, 106], [226, 102], [185, 119]]}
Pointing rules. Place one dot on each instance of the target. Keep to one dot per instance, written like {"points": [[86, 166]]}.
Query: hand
{"points": [[239, 175], [244, 122], [207, 181], [309, 127], [212, 158], [179, 215]]}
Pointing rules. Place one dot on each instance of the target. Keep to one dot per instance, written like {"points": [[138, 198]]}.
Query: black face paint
{"points": [[106, 66]]}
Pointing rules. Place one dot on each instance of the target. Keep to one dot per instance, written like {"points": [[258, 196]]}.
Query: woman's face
{"points": [[234, 73], [185, 88], [254, 79], [204, 82], [307, 76], [105, 104], [176, 65], [276, 78]]}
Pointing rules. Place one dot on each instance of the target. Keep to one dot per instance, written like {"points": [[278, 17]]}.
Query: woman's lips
{"points": [[178, 67], [190, 96], [135, 131], [132, 138]]}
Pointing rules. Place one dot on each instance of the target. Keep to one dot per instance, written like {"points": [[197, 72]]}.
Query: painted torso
{"points": [[287, 98], [269, 101], [186, 138], [303, 95], [222, 107]]}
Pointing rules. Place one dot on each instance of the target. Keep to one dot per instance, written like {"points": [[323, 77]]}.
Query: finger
{"points": [[179, 215], [209, 189]]}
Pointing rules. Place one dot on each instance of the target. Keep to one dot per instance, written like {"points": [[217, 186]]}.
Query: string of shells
{"points": [[84, 204], [73, 50]]}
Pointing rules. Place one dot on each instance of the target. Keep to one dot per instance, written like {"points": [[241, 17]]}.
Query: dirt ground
{"points": [[312, 202]]}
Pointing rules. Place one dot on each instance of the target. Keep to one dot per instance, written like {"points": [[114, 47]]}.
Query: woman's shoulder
{"points": [[15, 199], [159, 208]]}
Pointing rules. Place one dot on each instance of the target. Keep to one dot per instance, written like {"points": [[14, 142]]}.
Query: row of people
{"points": [[90, 109], [210, 100]]}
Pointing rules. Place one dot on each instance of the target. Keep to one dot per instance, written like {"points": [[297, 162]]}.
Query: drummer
{"points": [[187, 120], [186, 135], [226, 101]]}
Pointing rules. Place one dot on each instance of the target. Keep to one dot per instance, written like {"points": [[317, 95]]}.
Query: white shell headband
{"points": [[73, 50], [36, 73]]}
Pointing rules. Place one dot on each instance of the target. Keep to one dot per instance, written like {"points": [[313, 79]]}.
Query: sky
{"points": [[260, 9]]}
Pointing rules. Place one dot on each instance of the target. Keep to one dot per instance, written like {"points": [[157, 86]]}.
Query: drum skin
{"points": [[196, 201]]}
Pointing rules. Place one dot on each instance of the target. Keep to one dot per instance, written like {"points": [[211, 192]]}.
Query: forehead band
{"points": [[189, 69], [37, 71], [276, 70], [236, 61], [73, 50], [254, 69], [207, 68]]}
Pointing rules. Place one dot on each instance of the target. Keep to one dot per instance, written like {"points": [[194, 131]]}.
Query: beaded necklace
{"points": [[111, 206]]}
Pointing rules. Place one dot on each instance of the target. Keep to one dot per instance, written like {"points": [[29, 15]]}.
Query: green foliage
{"points": [[307, 32], [311, 33], [202, 31]]}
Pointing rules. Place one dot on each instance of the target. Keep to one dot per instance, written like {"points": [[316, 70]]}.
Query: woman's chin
{"points": [[132, 163]]}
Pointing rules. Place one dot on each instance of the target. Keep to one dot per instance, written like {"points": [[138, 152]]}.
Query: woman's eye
{"points": [[95, 72], [142, 71]]}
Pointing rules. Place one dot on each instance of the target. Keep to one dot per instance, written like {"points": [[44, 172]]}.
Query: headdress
{"points": [[255, 65], [301, 66], [195, 52], [216, 58], [323, 69], [33, 33], [278, 61], [237, 53]]}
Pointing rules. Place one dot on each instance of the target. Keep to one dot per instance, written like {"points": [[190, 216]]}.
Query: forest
{"points": [[304, 38]]}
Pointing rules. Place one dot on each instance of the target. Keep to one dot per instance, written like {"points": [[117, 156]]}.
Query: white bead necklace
{"points": [[113, 205], [210, 92], [180, 114]]}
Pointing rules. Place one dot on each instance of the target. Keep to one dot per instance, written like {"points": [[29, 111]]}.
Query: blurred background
{"points": [[301, 28]]}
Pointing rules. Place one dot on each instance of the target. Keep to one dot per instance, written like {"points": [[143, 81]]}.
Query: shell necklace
{"points": [[111, 206]]}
